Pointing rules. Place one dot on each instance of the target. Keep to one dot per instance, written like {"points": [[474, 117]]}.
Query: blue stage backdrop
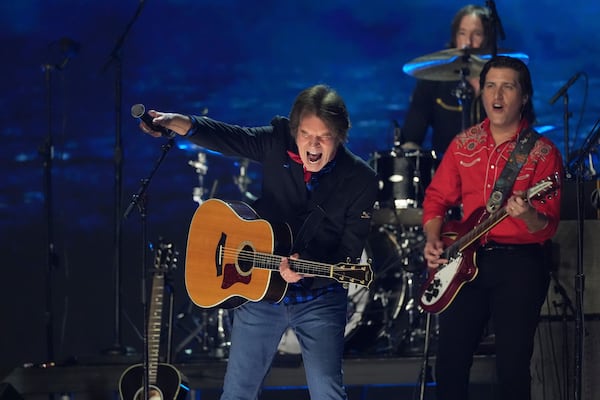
{"points": [[72, 70]]}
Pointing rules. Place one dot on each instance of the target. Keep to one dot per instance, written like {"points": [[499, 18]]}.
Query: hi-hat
{"points": [[452, 64]]}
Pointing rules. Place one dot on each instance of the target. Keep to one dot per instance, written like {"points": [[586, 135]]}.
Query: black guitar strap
{"points": [[515, 162]]}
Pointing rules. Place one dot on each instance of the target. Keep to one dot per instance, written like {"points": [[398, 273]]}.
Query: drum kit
{"points": [[384, 319]]}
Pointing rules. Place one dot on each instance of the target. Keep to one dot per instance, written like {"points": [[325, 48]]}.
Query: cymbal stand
{"points": [[201, 167], [464, 93], [242, 180]]}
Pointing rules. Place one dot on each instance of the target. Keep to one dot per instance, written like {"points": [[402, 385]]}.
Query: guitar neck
{"points": [[154, 325], [271, 262], [345, 273], [536, 191]]}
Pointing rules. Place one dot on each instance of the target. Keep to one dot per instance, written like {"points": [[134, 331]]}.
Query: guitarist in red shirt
{"points": [[497, 268]]}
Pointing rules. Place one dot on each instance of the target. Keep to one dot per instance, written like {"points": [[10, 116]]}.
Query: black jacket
{"points": [[346, 194]]}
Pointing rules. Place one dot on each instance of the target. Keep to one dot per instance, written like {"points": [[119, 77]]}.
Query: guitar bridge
{"points": [[219, 254]]}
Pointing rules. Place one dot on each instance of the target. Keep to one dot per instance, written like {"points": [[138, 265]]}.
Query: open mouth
{"points": [[313, 157]]}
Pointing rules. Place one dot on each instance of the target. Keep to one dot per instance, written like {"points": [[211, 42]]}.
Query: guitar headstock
{"points": [[359, 274], [165, 256], [544, 189]]}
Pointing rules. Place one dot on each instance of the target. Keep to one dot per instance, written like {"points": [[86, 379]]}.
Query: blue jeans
{"points": [[319, 325]]}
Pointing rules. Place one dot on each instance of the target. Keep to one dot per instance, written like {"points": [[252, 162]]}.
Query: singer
{"points": [[326, 195]]}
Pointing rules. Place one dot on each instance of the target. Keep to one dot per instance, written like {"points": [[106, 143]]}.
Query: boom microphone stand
{"points": [[577, 167], [139, 200], [115, 56], [69, 48]]}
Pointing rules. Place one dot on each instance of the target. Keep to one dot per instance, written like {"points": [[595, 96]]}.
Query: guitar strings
{"points": [[271, 262]]}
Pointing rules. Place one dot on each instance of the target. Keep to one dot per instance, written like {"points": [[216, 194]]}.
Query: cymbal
{"points": [[450, 64], [398, 216]]}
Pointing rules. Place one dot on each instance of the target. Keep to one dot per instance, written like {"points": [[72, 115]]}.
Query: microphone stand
{"points": [[577, 165], [425, 375], [139, 200], [69, 49], [47, 151], [497, 29], [115, 56]]}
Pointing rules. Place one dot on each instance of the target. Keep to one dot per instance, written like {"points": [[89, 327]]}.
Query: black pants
{"points": [[510, 288]]}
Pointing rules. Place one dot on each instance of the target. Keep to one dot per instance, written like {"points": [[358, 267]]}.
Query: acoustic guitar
{"points": [[165, 382], [232, 258]]}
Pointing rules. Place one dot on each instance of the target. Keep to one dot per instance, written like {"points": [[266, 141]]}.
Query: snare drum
{"points": [[403, 177]]}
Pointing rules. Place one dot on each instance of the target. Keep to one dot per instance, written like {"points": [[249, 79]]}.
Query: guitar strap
{"points": [[515, 162]]}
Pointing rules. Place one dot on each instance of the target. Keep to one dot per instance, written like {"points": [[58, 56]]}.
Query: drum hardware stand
{"points": [[242, 181], [464, 93], [213, 345], [201, 169]]}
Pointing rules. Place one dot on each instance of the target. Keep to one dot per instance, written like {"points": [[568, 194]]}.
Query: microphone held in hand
{"points": [[139, 111], [565, 87]]}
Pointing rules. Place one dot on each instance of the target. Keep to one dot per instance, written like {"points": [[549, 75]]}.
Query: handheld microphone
{"points": [[139, 111], [565, 87]]}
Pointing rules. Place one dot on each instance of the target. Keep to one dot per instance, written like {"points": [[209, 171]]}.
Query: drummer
{"points": [[434, 102]]}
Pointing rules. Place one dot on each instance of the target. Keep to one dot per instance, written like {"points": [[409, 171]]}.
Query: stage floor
{"points": [[364, 377]]}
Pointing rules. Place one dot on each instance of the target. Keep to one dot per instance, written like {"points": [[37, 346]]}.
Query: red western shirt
{"points": [[467, 174]]}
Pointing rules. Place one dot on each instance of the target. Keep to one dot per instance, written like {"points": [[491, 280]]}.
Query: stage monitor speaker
{"points": [[553, 361], [565, 248], [568, 200]]}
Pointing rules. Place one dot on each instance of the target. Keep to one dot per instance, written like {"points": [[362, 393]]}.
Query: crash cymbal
{"points": [[449, 64]]}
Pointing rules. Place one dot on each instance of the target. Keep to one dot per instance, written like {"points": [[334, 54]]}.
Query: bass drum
{"points": [[371, 311]]}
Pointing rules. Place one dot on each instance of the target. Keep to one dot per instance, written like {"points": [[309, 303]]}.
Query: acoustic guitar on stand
{"points": [[461, 239], [231, 258], [165, 382]]}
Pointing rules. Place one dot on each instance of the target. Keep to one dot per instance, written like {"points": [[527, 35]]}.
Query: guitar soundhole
{"points": [[246, 260], [155, 394]]}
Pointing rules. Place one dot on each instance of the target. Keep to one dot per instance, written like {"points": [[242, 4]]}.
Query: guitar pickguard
{"points": [[231, 277], [439, 286]]}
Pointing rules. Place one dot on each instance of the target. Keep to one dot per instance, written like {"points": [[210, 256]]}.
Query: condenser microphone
{"points": [[139, 111]]}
